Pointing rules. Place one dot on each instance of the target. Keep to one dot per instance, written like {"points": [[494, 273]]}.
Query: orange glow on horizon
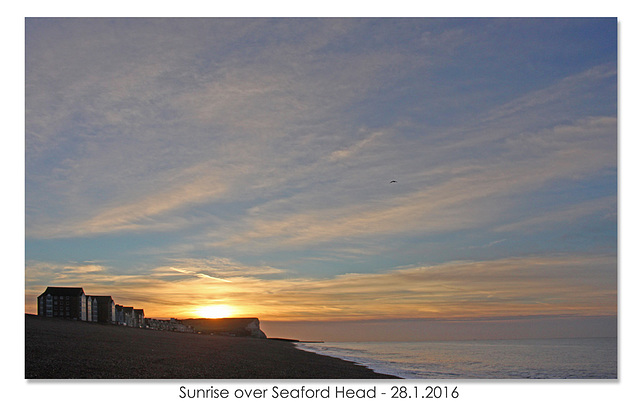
{"points": [[215, 311]]}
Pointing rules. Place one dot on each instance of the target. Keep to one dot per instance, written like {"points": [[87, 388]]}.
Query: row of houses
{"points": [[73, 303]]}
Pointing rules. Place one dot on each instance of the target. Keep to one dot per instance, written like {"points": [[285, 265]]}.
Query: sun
{"points": [[215, 311]]}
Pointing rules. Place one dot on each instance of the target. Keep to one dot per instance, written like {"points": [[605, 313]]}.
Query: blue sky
{"points": [[180, 163]]}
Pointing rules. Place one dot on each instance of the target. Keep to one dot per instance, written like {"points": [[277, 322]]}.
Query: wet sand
{"points": [[62, 349]]}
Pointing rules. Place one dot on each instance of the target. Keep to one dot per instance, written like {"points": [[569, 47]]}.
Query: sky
{"points": [[183, 164]]}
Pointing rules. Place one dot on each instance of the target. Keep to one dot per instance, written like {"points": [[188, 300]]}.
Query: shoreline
{"points": [[64, 349]]}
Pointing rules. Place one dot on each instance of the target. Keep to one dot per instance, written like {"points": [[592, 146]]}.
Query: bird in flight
{"points": [[394, 181]]}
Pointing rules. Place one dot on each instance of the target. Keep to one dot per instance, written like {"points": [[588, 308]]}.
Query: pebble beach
{"points": [[65, 349]]}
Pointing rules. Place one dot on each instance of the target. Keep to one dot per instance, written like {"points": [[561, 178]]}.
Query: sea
{"points": [[567, 358]]}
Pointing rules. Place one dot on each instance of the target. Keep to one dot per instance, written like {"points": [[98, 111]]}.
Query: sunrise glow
{"points": [[395, 173], [215, 311]]}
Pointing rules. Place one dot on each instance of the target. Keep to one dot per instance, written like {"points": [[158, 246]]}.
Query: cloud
{"points": [[512, 287], [449, 197], [142, 134], [145, 211], [565, 215], [135, 215], [446, 42], [216, 267], [112, 116], [550, 98], [345, 153], [240, 150], [180, 270]]}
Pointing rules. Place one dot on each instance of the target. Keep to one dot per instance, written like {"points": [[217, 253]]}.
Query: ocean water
{"points": [[571, 358]]}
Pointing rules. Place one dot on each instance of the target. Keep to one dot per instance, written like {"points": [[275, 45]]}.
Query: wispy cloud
{"points": [[202, 275], [606, 206], [345, 153], [250, 122], [236, 157], [472, 195], [507, 287], [549, 99]]}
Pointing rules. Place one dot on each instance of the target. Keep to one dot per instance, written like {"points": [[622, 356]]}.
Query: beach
{"points": [[65, 349]]}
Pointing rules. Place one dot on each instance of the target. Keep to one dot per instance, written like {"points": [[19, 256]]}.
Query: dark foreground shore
{"points": [[61, 349]]}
